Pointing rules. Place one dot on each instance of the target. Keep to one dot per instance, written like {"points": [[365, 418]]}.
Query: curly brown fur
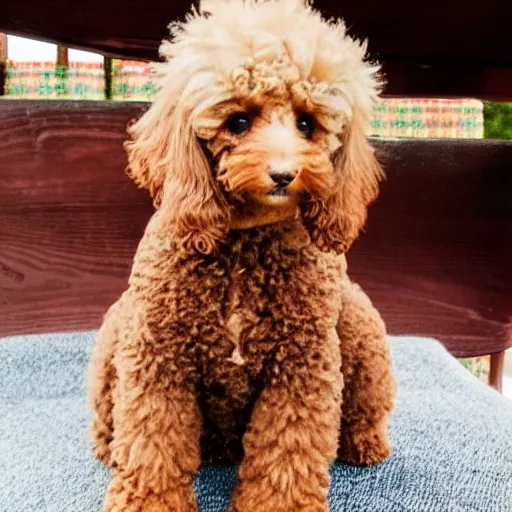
{"points": [[240, 338]]}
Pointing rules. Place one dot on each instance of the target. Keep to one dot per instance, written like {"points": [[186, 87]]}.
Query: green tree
{"points": [[497, 120]]}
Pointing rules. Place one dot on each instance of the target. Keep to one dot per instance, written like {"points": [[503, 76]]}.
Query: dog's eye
{"points": [[306, 125], [239, 123]]}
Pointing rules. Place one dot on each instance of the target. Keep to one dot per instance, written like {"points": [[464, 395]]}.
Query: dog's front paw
{"points": [[121, 497], [249, 499], [306, 508], [363, 447]]}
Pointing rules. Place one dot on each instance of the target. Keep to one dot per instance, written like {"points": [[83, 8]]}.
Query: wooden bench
{"points": [[437, 254]]}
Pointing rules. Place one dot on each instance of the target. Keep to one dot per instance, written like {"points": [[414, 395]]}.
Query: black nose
{"points": [[282, 179]]}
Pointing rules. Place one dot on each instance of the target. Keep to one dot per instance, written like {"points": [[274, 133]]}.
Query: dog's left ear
{"points": [[335, 223]]}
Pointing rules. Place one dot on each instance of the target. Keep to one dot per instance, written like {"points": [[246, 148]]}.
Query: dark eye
{"points": [[306, 125], [239, 123]]}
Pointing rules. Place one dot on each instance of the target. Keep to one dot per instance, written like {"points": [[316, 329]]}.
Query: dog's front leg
{"points": [[293, 434], [157, 427]]}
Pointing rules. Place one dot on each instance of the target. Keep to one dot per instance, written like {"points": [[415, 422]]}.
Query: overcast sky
{"points": [[21, 49]]}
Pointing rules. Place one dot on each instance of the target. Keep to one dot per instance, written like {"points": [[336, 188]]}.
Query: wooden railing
{"points": [[435, 258]]}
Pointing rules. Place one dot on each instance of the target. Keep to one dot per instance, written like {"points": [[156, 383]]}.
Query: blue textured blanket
{"points": [[452, 437]]}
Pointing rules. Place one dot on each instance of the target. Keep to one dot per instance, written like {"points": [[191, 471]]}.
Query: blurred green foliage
{"points": [[470, 365], [497, 120]]}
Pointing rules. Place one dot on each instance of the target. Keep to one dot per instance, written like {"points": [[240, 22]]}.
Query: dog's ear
{"points": [[165, 157], [336, 222]]}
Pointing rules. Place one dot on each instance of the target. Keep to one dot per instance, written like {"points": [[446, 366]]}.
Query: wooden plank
{"points": [[69, 218], [436, 258], [428, 48]]}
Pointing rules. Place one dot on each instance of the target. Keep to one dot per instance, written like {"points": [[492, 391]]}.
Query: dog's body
{"points": [[240, 338]]}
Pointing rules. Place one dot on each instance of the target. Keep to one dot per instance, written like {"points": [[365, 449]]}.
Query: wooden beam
{"points": [[428, 48], [447, 80], [418, 31], [435, 258]]}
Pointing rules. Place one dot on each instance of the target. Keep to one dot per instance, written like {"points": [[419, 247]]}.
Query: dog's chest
{"points": [[275, 303]]}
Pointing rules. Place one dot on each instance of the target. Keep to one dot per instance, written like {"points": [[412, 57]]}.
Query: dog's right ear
{"points": [[165, 157], [147, 153]]}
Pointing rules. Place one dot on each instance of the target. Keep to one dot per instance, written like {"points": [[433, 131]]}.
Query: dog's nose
{"points": [[282, 179]]}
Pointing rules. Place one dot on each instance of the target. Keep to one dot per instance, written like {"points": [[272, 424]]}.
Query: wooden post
{"points": [[61, 71], [3, 63], [62, 56], [496, 371]]}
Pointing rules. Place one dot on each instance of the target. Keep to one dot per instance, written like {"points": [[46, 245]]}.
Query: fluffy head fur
{"points": [[274, 61]]}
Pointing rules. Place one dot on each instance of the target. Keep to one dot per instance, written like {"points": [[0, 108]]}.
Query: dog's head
{"points": [[261, 112]]}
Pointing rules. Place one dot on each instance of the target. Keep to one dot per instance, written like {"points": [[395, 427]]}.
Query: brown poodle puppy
{"points": [[240, 338]]}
